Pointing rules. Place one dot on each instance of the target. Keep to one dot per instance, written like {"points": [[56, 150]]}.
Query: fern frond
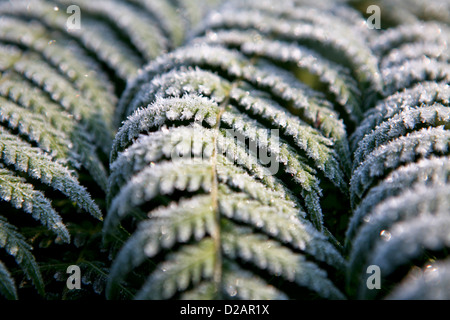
{"points": [[413, 71], [420, 200], [423, 93], [15, 245], [410, 240], [413, 51], [406, 121], [430, 283], [337, 79], [245, 71], [160, 179], [27, 101], [166, 16], [35, 128], [351, 52], [409, 148], [186, 108], [62, 92], [429, 172], [176, 83], [137, 27], [22, 195], [259, 250], [40, 166], [187, 266], [147, 174], [7, 284], [304, 102], [310, 141], [95, 36]]}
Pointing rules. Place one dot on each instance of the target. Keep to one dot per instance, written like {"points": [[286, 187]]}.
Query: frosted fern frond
{"points": [[402, 123], [340, 84], [429, 172], [247, 71], [240, 124], [179, 83], [147, 176], [134, 24], [411, 240], [68, 58], [431, 282], [414, 71], [32, 161], [97, 119], [58, 92], [327, 40], [266, 254], [424, 93], [420, 200], [201, 109], [187, 266], [186, 109], [414, 51], [429, 31], [405, 13], [409, 148], [244, 285], [95, 36], [235, 66], [71, 142], [7, 284], [22, 195], [16, 246], [399, 184], [35, 128]]}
